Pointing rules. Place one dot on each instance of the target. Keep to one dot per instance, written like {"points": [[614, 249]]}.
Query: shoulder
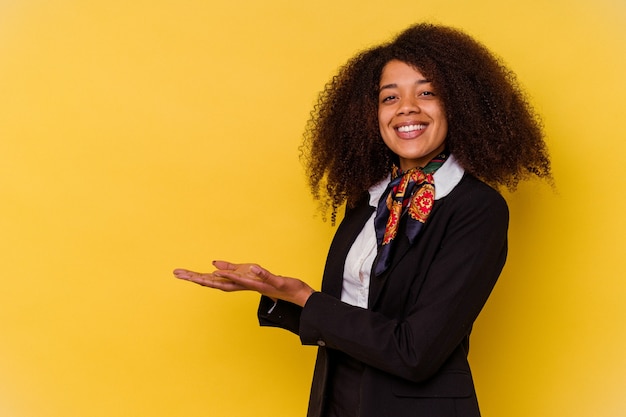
{"points": [[472, 194], [471, 187]]}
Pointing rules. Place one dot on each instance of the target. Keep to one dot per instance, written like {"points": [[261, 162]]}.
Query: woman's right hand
{"points": [[237, 277], [210, 280]]}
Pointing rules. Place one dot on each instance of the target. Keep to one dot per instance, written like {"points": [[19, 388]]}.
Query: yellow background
{"points": [[140, 136]]}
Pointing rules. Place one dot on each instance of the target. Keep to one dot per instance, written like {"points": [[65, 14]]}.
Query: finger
{"points": [[192, 276], [256, 279], [183, 273], [208, 280], [224, 265], [222, 284], [249, 281]]}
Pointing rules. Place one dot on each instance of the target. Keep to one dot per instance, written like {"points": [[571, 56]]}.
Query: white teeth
{"points": [[411, 128]]}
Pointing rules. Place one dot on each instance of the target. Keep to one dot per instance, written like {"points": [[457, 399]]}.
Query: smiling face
{"points": [[411, 117]]}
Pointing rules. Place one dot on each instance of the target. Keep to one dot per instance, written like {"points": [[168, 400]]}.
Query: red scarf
{"points": [[411, 192]]}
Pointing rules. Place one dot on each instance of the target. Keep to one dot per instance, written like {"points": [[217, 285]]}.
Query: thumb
{"points": [[262, 273]]}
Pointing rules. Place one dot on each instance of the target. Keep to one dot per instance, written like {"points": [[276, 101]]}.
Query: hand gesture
{"points": [[238, 277]]}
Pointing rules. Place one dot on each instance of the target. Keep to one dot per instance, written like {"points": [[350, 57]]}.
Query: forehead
{"points": [[395, 71]]}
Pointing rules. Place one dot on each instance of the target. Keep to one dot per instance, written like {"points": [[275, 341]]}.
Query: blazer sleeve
{"points": [[280, 314], [455, 287], [287, 315]]}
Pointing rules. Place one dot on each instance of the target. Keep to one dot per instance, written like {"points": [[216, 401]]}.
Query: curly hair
{"points": [[493, 130]]}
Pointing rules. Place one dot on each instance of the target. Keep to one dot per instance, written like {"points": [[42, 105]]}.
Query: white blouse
{"points": [[356, 273]]}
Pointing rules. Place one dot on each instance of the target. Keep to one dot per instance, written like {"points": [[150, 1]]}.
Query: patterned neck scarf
{"points": [[412, 193]]}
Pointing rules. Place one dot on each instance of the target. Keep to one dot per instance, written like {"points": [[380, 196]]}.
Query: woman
{"points": [[407, 135]]}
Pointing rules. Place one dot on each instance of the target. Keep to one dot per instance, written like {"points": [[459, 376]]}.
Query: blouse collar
{"points": [[446, 178]]}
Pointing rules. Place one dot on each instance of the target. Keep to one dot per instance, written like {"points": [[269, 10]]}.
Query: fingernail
{"points": [[255, 269]]}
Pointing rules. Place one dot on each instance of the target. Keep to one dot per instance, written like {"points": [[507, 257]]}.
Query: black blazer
{"points": [[413, 339]]}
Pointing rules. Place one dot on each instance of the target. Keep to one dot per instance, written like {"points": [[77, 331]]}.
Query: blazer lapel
{"points": [[347, 232], [377, 283]]}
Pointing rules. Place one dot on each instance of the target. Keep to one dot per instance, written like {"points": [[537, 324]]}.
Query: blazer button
{"points": [[321, 343]]}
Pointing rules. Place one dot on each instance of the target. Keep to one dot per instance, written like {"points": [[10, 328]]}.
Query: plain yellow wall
{"points": [[139, 136]]}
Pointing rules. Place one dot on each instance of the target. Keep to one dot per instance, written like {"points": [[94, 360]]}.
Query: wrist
{"points": [[304, 295]]}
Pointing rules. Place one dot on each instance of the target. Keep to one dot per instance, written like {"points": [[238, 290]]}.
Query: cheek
{"points": [[383, 118], [440, 116], [385, 135], [443, 124], [385, 132]]}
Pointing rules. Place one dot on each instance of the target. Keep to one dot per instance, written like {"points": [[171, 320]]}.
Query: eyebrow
{"points": [[418, 82]]}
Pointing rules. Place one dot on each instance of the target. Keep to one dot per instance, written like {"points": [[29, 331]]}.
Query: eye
{"points": [[387, 99], [427, 95]]}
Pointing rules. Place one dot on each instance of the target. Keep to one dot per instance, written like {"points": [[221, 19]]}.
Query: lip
{"points": [[412, 134]]}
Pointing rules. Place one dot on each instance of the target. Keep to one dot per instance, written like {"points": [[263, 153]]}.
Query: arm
{"points": [[251, 277], [282, 297], [454, 288], [286, 312], [279, 314]]}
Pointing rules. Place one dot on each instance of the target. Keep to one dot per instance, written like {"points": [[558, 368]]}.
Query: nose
{"points": [[408, 105]]}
